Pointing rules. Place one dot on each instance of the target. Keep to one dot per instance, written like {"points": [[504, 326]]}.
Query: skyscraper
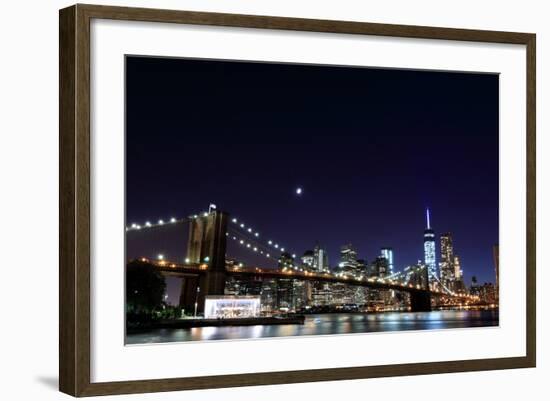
{"points": [[447, 265], [348, 260], [459, 276], [388, 254], [348, 255], [429, 250], [321, 259], [316, 260], [379, 267], [457, 269]]}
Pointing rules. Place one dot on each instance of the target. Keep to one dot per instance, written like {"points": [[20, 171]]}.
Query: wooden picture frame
{"points": [[74, 205]]}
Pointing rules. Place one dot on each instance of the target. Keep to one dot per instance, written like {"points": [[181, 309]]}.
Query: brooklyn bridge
{"points": [[207, 270]]}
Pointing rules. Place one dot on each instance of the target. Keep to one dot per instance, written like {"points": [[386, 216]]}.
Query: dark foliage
{"points": [[144, 288]]}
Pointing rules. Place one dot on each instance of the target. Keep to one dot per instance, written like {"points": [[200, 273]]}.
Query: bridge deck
{"points": [[262, 273]]}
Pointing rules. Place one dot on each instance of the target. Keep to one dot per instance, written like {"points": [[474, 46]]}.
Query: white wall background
{"points": [[29, 185]]}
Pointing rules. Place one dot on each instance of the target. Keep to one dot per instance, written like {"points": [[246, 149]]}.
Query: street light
{"points": [[197, 300]]}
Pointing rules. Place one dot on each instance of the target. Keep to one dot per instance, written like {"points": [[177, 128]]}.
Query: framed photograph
{"points": [[249, 200]]}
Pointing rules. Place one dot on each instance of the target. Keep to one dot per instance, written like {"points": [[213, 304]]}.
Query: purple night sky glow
{"points": [[369, 148]]}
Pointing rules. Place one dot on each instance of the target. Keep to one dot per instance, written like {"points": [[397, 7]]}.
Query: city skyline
{"points": [[368, 202], [442, 250]]}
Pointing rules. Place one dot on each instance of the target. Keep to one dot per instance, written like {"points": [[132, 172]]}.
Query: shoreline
{"points": [[190, 323]]}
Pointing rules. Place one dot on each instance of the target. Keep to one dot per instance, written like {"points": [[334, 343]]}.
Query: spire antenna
{"points": [[428, 218]]}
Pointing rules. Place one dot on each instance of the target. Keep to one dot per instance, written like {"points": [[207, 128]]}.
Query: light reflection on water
{"points": [[342, 323]]}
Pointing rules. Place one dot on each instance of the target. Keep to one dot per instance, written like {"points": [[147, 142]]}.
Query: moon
{"points": [[298, 191]]}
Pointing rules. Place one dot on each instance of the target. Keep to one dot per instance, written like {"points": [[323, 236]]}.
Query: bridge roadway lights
{"points": [[421, 301]]}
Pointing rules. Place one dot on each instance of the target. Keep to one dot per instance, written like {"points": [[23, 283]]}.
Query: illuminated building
{"points": [[232, 286], [348, 255], [243, 286], [286, 260], [446, 267], [268, 295], [487, 293], [429, 251], [379, 268], [459, 276], [374, 300], [417, 275], [231, 306], [474, 288], [388, 254], [496, 262], [342, 294], [321, 294], [320, 261], [449, 268], [457, 270], [316, 260], [285, 293], [308, 260], [348, 260], [299, 294], [361, 268]]}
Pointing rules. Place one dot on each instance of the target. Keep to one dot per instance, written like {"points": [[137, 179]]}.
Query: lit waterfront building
{"points": [[429, 251], [231, 306], [232, 286], [342, 294], [388, 254], [285, 293], [360, 295], [321, 294], [299, 294], [268, 296], [446, 266]]}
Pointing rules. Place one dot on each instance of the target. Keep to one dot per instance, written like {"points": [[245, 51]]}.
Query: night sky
{"points": [[371, 148]]}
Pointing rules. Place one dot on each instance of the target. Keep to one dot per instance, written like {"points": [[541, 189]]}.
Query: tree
{"points": [[144, 287]]}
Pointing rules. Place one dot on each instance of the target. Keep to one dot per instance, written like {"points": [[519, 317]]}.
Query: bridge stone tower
{"points": [[421, 301], [206, 245]]}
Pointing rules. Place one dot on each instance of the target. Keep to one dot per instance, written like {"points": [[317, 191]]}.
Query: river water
{"points": [[323, 324]]}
